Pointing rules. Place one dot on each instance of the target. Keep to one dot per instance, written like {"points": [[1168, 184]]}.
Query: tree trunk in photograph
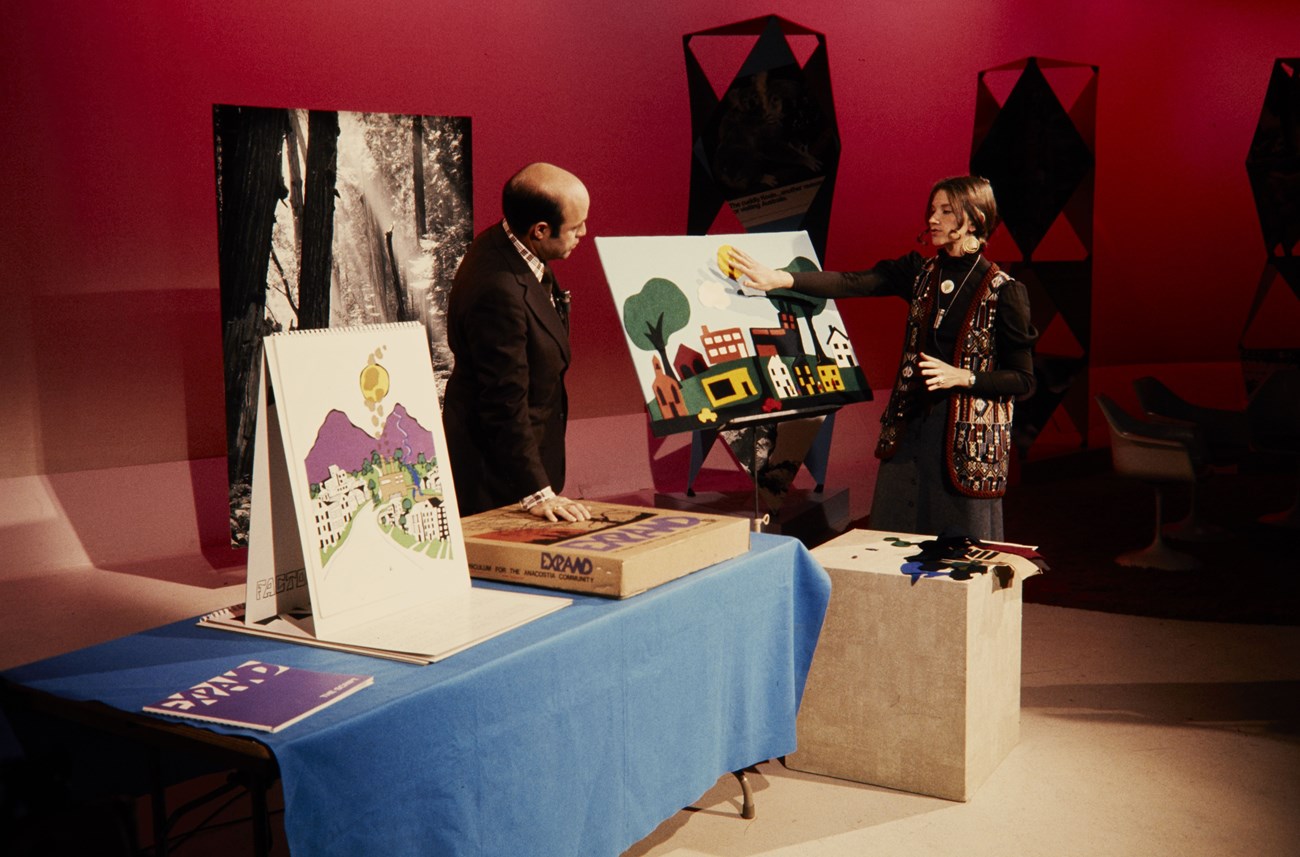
{"points": [[249, 185], [242, 346], [318, 219], [387, 298], [293, 145], [450, 206], [395, 276], [417, 175]]}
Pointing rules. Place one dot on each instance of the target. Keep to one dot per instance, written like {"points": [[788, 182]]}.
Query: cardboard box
{"points": [[915, 684], [622, 551]]}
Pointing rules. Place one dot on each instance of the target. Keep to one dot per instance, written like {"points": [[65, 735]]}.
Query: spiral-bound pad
{"points": [[355, 537]]}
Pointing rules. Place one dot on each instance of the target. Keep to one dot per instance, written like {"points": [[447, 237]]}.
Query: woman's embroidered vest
{"points": [[978, 446]]}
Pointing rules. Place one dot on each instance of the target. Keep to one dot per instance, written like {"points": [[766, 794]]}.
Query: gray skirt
{"points": [[914, 493]]}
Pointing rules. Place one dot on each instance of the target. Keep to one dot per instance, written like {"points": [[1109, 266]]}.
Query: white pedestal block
{"points": [[915, 684]]}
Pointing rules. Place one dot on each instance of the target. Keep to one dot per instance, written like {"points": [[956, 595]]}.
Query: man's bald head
{"points": [[546, 207]]}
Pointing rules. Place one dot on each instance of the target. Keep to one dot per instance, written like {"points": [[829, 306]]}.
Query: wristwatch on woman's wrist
{"points": [[971, 380]]}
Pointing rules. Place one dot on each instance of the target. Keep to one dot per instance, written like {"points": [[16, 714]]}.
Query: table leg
{"points": [[158, 801], [746, 795], [257, 787]]}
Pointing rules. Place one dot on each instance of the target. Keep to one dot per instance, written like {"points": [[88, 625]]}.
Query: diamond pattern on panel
{"points": [[1033, 155], [1270, 338], [1035, 141]]}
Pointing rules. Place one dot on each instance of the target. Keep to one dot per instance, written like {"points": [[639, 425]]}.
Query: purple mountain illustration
{"points": [[340, 442]]}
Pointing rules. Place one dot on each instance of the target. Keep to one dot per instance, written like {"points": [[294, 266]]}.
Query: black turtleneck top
{"points": [[1013, 329]]}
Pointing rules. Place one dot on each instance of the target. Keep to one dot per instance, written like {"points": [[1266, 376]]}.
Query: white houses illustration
{"points": [[779, 374], [841, 348], [331, 518], [388, 512], [340, 495], [427, 520], [430, 483], [343, 487]]}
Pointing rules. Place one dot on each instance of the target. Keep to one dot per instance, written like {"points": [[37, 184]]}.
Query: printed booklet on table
{"points": [[257, 695]]}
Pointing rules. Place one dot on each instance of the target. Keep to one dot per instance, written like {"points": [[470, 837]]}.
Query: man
{"points": [[505, 408]]}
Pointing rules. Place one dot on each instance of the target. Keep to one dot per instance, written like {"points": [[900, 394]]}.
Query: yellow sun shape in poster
{"points": [[374, 386], [374, 383], [724, 261]]}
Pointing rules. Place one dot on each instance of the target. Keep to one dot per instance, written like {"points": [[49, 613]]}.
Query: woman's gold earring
{"points": [[970, 244]]}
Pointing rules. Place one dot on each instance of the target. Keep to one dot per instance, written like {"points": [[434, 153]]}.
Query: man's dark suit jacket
{"points": [[505, 406]]}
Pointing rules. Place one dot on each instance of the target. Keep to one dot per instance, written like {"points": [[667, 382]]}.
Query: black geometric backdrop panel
{"points": [[765, 144], [764, 140], [1271, 336], [1035, 141]]}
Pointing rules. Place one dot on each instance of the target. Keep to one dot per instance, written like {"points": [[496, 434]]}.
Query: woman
{"points": [[945, 439]]}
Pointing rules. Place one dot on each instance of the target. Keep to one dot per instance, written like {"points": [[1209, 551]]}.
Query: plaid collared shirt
{"points": [[534, 264]]}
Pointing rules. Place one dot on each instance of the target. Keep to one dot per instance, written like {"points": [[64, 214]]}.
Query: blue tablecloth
{"points": [[575, 734]]}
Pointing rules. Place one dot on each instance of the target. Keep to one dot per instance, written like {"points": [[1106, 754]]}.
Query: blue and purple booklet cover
{"points": [[257, 695]]}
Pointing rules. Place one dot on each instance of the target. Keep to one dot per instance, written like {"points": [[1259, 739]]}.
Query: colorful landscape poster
{"points": [[355, 538], [362, 438], [709, 354]]}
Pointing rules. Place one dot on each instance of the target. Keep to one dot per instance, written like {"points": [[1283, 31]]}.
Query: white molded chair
{"points": [[1226, 432], [1160, 454], [1222, 439]]}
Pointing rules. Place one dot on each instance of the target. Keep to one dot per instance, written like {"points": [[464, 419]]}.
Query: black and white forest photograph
{"points": [[330, 219]]}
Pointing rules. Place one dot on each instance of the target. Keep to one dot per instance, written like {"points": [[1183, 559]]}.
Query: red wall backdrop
{"points": [[109, 310]]}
